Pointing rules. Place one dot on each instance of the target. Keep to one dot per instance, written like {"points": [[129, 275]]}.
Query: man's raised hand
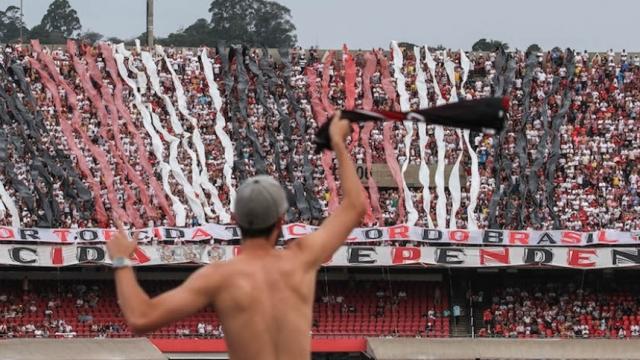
{"points": [[339, 129], [120, 244]]}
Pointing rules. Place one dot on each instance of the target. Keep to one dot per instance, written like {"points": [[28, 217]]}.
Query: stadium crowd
{"points": [[57, 309], [568, 158], [560, 310]]}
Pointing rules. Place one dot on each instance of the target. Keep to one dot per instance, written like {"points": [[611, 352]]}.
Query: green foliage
{"points": [[252, 22], [196, 34], [489, 45], [406, 45], [10, 25], [91, 37], [58, 23], [534, 48]]}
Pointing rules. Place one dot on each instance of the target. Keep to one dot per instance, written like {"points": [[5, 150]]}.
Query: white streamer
{"points": [[474, 188], [441, 203], [10, 205], [156, 142], [465, 64], [191, 190], [454, 176], [227, 145], [176, 170], [196, 138], [423, 172], [412, 213], [152, 71]]}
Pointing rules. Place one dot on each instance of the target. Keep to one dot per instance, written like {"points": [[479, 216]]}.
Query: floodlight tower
{"points": [[150, 23]]}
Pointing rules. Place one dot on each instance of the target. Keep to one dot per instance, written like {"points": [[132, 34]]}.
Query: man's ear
{"points": [[278, 229]]}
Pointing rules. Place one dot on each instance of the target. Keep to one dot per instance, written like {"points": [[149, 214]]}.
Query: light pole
{"points": [[21, 21], [150, 23]]}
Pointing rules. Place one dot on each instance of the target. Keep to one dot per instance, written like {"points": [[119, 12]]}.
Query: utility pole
{"points": [[150, 23], [21, 21]]}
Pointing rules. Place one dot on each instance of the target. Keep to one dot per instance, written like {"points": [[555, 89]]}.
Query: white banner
{"points": [[149, 255], [369, 235]]}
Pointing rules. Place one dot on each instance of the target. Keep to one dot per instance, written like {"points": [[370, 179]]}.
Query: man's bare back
{"points": [[263, 297], [266, 305]]}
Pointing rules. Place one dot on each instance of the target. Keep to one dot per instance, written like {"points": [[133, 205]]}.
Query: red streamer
{"points": [[389, 150], [97, 152], [66, 128], [350, 92], [158, 191], [367, 104]]}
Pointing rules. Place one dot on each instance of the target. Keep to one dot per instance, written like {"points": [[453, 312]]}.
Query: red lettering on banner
{"points": [[602, 238], [581, 258], [497, 256], [157, 234], [399, 231], [292, 230], [402, 255], [520, 237], [571, 237], [237, 250], [200, 232], [140, 256], [56, 256], [107, 234], [6, 233], [459, 235], [62, 234]]}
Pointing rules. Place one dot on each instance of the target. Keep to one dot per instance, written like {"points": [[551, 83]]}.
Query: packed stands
{"points": [[556, 304], [342, 309], [163, 137]]}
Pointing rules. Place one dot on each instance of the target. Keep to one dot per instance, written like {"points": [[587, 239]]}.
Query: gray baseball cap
{"points": [[259, 202]]}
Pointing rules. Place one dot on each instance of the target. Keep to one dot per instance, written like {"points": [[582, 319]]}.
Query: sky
{"points": [[592, 25]]}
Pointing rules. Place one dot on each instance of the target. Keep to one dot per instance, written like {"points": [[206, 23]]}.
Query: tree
{"points": [[11, 24], [115, 40], [252, 22], [489, 45], [534, 48], [60, 21], [196, 34], [406, 45], [91, 36]]}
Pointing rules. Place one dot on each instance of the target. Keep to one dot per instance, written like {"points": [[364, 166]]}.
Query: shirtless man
{"points": [[263, 297]]}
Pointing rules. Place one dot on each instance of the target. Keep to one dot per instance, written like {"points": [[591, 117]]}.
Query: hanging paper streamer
{"points": [[320, 114], [227, 145], [367, 104], [398, 61], [454, 176], [196, 138], [104, 101], [423, 172], [10, 205], [114, 72], [176, 169], [179, 213], [474, 188], [67, 127], [350, 91], [108, 175], [389, 150], [441, 203]]}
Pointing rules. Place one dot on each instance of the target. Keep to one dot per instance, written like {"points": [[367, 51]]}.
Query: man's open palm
{"points": [[121, 245]]}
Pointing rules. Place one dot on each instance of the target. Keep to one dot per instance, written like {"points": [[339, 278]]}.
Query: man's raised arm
{"points": [[320, 245], [144, 314]]}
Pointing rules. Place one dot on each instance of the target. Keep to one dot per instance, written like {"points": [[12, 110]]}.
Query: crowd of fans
{"points": [[82, 308], [557, 310], [567, 159]]}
